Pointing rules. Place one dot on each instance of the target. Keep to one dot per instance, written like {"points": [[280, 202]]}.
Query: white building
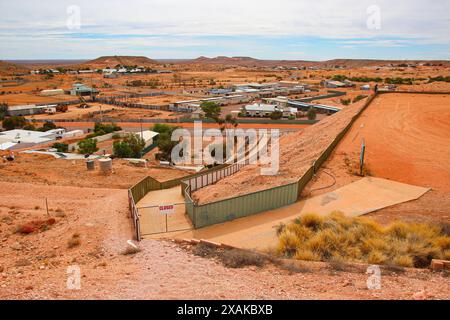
{"points": [[52, 92], [265, 110], [19, 138]]}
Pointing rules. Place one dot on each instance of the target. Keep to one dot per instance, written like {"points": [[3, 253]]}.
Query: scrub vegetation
{"points": [[336, 238]]}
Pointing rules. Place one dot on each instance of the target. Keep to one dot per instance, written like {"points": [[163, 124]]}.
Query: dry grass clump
{"points": [[232, 258], [339, 238], [74, 241]]}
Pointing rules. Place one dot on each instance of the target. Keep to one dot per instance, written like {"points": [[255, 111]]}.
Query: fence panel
{"points": [[242, 206]]}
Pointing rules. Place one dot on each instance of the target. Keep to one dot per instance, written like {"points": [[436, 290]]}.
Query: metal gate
{"points": [[164, 218]]}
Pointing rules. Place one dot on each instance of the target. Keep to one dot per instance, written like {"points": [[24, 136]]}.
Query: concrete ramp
{"points": [[363, 196], [358, 198]]}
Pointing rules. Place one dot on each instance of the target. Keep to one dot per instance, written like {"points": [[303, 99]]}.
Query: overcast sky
{"points": [[275, 29]]}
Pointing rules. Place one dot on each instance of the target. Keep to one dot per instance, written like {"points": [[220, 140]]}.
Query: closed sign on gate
{"points": [[168, 209]]}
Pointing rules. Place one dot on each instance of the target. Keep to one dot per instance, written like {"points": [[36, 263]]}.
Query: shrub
{"points": [[74, 241], [240, 258], [359, 98], [87, 146], [61, 147], [276, 115], [336, 237], [311, 114], [346, 102], [14, 122], [122, 149]]}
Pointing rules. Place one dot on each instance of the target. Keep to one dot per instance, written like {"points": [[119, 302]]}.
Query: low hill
{"points": [[349, 63], [8, 68], [112, 61]]}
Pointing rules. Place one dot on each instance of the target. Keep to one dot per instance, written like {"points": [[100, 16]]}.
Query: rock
{"points": [[421, 295], [347, 283], [16, 246], [2, 269], [23, 263]]}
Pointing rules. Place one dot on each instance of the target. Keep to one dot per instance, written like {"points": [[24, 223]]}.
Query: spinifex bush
{"points": [[336, 237]]}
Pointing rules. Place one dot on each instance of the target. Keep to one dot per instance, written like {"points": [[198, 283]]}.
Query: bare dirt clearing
{"points": [[408, 140], [43, 169], [34, 266]]}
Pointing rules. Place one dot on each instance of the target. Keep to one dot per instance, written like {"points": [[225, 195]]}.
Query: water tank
{"points": [[90, 164], [105, 165]]}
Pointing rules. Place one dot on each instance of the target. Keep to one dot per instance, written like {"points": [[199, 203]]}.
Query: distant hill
{"points": [[252, 62], [112, 61], [11, 68], [245, 62]]}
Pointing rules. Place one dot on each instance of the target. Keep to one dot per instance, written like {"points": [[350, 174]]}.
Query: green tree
{"points": [[211, 110], [276, 115], [3, 109], [162, 128], [136, 144], [121, 149], [61, 147], [87, 146], [164, 141], [311, 114], [14, 122], [48, 125]]}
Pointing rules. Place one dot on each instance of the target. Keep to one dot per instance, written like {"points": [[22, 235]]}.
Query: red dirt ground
{"points": [[408, 140], [34, 266]]}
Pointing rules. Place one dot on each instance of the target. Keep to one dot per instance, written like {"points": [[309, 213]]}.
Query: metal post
{"points": [[361, 159], [46, 206], [167, 226]]}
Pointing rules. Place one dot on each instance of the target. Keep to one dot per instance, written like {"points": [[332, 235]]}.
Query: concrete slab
{"points": [[361, 197]]}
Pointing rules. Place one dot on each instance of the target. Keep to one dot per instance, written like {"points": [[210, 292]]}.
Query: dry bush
{"points": [[74, 241], [293, 268], [239, 258], [339, 239], [204, 251], [233, 258]]}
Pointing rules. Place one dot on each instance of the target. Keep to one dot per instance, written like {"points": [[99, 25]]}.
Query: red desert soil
{"points": [[34, 266], [298, 151], [408, 140], [43, 169]]}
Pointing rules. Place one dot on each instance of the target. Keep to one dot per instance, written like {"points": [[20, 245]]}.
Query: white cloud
{"points": [[181, 23]]}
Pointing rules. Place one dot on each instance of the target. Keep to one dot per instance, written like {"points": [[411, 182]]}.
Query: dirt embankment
{"points": [[298, 151], [407, 140]]}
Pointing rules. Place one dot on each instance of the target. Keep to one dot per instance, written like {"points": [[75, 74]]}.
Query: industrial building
{"points": [[80, 89], [52, 92], [304, 106], [191, 105], [27, 110], [336, 84], [265, 110]]}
